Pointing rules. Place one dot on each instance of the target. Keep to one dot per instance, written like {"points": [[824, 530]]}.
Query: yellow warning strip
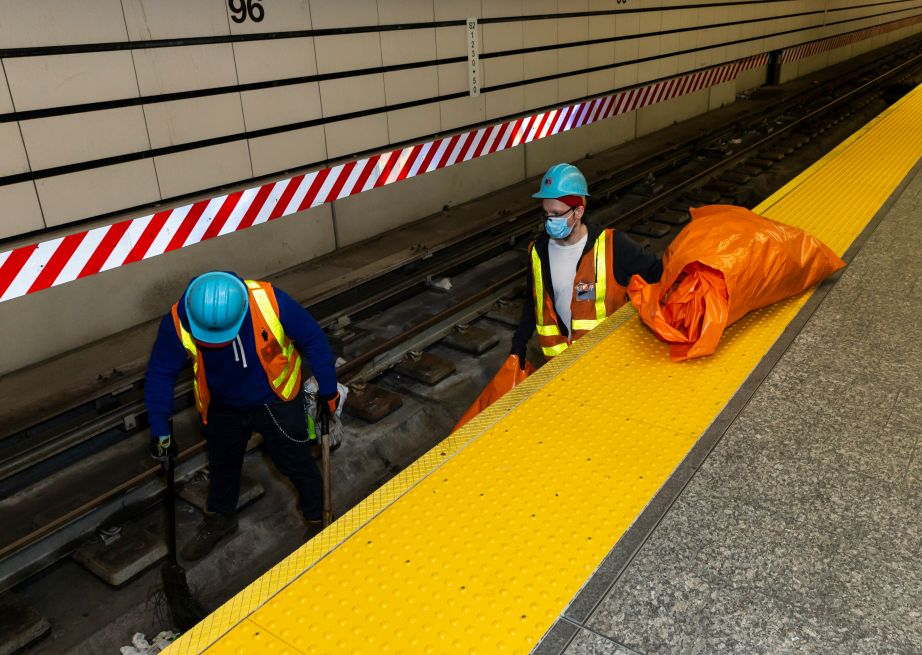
{"points": [[485, 539], [235, 611]]}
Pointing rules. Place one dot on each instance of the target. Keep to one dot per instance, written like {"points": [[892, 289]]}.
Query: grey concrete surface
{"points": [[800, 532], [589, 643]]}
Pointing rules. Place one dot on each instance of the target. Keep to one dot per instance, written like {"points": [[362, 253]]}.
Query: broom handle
{"points": [[325, 464], [171, 509]]}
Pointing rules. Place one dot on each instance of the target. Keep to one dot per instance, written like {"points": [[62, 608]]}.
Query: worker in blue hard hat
{"points": [[578, 271], [245, 339]]}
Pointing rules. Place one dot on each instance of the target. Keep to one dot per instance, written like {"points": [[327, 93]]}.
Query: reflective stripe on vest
{"points": [[189, 344], [601, 275], [286, 381], [549, 328]]}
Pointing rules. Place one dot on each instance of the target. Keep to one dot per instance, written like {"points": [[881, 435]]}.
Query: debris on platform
{"points": [[140, 645], [442, 284]]}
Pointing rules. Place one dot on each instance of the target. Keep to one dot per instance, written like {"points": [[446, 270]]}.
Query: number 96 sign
{"points": [[244, 9]]}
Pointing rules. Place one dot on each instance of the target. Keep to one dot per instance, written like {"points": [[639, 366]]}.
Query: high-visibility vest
{"points": [[277, 353], [596, 296]]}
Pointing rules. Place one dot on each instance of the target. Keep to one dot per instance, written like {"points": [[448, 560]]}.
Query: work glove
{"points": [[327, 404], [163, 447]]}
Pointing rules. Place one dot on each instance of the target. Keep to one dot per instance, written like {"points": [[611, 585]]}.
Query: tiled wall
{"points": [[116, 104]]}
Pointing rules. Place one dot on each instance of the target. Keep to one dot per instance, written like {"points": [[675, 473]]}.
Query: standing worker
{"points": [[245, 340], [579, 271]]}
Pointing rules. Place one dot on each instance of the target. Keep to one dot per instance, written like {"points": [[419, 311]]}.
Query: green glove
{"points": [[163, 447]]}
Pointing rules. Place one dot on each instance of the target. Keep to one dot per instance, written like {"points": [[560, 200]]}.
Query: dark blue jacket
{"points": [[234, 373]]}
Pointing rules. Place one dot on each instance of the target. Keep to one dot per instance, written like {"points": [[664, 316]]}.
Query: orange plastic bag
{"points": [[506, 379], [728, 261]]}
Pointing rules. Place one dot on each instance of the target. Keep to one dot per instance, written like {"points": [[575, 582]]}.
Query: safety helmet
{"points": [[216, 304], [562, 180]]}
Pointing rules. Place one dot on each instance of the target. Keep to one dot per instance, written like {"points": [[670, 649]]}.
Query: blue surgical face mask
{"points": [[558, 227]]}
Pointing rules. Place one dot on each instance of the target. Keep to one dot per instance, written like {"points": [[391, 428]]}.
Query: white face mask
{"points": [[558, 227]]}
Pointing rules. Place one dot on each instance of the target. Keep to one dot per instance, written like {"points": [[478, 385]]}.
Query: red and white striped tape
{"points": [[50, 263], [825, 45]]}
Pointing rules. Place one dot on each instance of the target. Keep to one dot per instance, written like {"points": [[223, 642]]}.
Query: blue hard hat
{"points": [[216, 304], [562, 180]]}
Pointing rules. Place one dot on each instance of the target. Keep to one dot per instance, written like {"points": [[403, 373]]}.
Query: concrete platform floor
{"points": [[801, 531]]}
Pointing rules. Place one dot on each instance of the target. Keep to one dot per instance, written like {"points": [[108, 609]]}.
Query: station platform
{"points": [[765, 499]]}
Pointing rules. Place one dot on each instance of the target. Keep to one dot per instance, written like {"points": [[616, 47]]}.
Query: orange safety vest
{"points": [[596, 296], [277, 354]]}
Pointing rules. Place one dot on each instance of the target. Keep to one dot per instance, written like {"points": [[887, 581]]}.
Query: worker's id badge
{"points": [[585, 290]]}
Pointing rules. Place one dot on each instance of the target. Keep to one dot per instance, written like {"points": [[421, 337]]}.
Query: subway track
{"points": [[85, 466]]}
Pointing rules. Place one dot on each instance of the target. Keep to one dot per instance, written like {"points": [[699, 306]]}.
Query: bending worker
{"points": [[579, 271], [245, 340]]}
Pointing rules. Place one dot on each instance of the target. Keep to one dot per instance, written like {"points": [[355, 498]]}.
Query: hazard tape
{"points": [[39, 266], [825, 45]]}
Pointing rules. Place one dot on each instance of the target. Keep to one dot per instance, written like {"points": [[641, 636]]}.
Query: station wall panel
{"points": [[6, 102], [187, 68], [336, 13], [281, 105], [260, 61], [171, 19], [193, 119], [73, 138], [21, 211], [61, 22], [413, 122], [424, 195], [356, 135], [663, 114], [14, 158], [405, 11], [185, 172], [83, 194], [286, 151], [409, 85], [70, 79], [721, 95], [505, 102]]}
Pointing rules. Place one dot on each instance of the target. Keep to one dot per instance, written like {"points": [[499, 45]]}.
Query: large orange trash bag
{"points": [[726, 262], [508, 377]]}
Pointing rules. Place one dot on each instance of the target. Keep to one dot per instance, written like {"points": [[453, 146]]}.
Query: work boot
{"points": [[210, 531]]}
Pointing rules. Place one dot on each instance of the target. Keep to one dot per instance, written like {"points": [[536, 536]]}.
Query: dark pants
{"points": [[227, 433]]}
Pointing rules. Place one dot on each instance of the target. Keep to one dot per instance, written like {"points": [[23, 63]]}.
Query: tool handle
{"points": [[170, 508], [325, 469], [170, 500]]}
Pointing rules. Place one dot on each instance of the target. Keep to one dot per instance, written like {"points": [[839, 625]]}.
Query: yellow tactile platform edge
{"points": [[504, 520], [258, 592]]}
